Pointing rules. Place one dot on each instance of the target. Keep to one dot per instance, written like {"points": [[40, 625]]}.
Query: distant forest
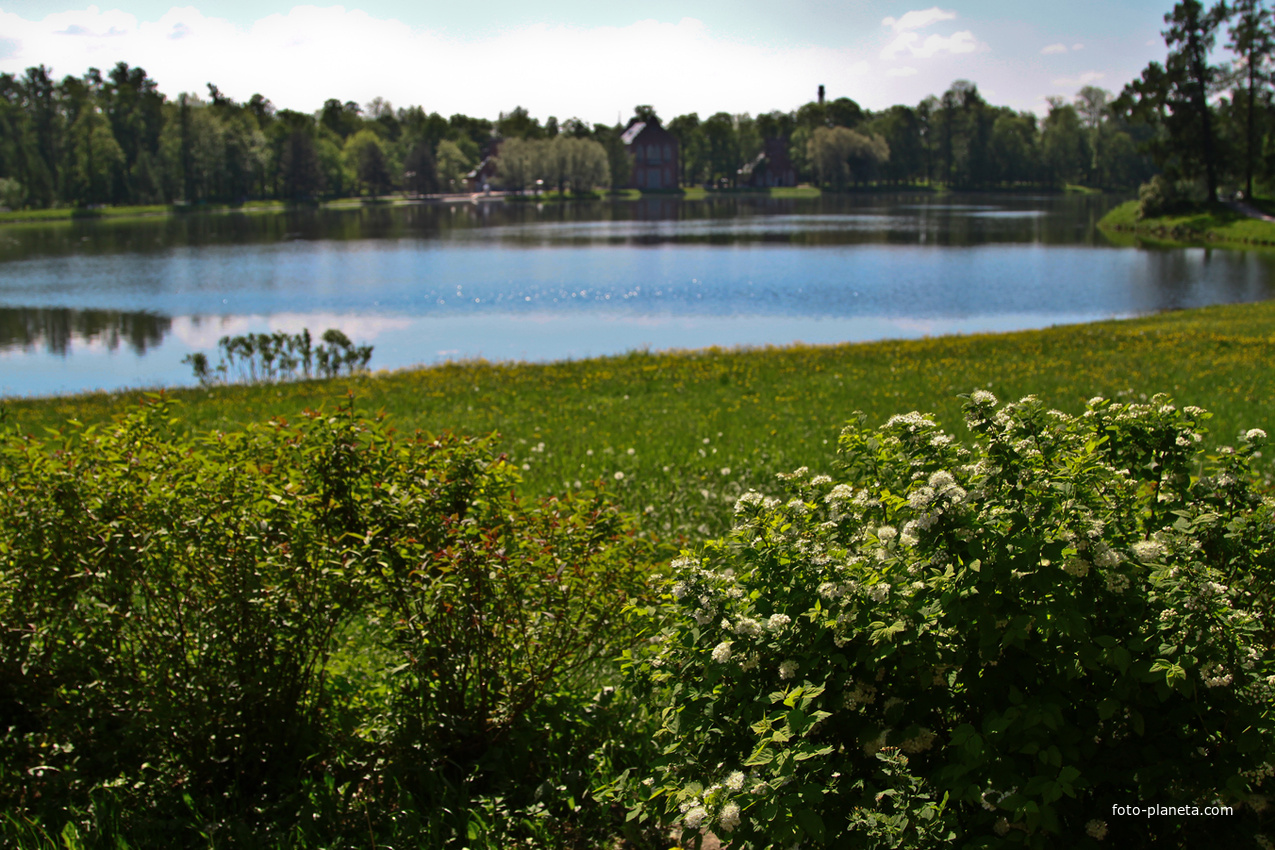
{"points": [[116, 139]]}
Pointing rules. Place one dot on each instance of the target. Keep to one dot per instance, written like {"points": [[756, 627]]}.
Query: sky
{"points": [[597, 60]]}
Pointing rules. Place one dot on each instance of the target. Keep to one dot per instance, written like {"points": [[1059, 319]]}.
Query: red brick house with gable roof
{"points": [[654, 154]]}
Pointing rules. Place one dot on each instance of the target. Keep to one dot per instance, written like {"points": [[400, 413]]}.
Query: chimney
{"points": [[821, 95]]}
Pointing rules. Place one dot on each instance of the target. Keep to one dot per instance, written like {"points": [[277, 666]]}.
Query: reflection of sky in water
{"points": [[403, 342], [418, 278]]}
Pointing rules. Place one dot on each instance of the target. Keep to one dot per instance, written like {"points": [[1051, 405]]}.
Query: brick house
{"points": [[653, 152]]}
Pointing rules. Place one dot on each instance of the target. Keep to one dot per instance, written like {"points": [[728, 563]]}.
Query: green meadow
{"points": [[679, 435]]}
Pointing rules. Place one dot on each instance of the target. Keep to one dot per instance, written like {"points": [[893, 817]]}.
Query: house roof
{"points": [[633, 131]]}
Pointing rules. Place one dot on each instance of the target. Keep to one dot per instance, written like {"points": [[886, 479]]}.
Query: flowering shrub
{"points": [[985, 644]]}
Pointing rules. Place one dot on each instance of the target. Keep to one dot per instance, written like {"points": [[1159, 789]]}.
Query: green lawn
{"points": [[680, 435], [1214, 224]]}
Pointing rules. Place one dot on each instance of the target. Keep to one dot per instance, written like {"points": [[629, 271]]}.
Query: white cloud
{"points": [[910, 43], [1054, 48], [1077, 47], [1083, 80], [918, 19], [905, 71], [289, 58]]}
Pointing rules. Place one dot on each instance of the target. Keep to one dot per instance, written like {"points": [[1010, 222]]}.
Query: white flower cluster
{"points": [[879, 592], [729, 817], [1105, 556], [695, 818], [911, 421], [919, 743], [1117, 582], [747, 626], [1255, 435], [735, 782], [983, 397], [721, 652], [750, 499], [1077, 567], [788, 669], [838, 494], [797, 507], [831, 590], [1215, 676], [887, 533], [861, 695], [819, 480], [1149, 551], [1096, 829]]}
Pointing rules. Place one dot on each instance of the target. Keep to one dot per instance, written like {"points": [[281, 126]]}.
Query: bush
{"points": [[302, 629], [1161, 196], [277, 357], [990, 645]]}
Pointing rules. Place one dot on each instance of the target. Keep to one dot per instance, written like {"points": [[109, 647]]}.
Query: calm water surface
{"points": [[109, 304]]}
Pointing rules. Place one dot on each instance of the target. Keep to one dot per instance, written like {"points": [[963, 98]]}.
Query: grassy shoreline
{"points": [[705, 426], [1217, 224]]}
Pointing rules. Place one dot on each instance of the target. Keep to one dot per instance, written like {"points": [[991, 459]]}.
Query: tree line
{"points": [[116, 139]]}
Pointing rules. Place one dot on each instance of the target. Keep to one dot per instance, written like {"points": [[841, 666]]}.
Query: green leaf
{"points": [[812, 824]]}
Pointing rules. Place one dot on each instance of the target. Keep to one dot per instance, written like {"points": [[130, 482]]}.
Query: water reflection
{"points": [[55, 329], [827, 220]]}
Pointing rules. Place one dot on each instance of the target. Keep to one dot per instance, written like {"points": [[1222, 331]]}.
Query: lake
{"points": [[118, 303]]}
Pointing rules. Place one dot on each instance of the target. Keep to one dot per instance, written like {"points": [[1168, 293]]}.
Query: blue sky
{"points": [[597, 60]]}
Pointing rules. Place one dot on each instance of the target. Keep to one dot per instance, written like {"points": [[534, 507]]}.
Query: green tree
{"points": [[1190, 34], [518, 124], [901, 130], [40, 94], [587, 167], [97, 156], [453, 165], [645, 114], [420, 173], [722, 148], [342, 119], [1064, 149], [300, 167], [365, 156], [135, 108], [520, 163], [20, 163], [692, 149], [618, 162], [1252, 39], [840, 155], [844, 112], [1014, 153]]}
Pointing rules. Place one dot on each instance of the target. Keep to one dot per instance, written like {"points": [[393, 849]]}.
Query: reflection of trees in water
{"points": [[55, 327], [923, 218]]}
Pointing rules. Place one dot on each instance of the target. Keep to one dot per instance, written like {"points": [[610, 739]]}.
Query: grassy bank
{"points": [[82, 213], [1215, 223], [681, 435]]}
